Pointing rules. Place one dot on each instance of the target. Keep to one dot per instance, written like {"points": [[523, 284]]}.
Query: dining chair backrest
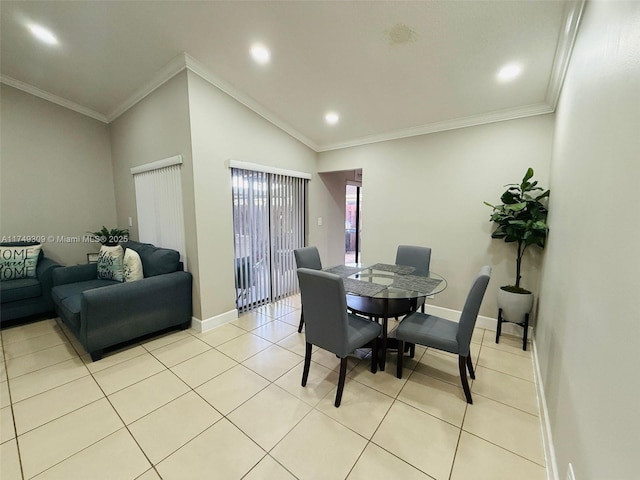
{"points": [[471, 309], [414, 256], [308, 257], [325, 310]]}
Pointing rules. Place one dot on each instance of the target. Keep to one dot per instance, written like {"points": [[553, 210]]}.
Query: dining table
{"points": [[381, 291]]}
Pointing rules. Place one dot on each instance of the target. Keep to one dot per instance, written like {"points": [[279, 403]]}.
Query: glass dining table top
{"points": [[388, 281]]}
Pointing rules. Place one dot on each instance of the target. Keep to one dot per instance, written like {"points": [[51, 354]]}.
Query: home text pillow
{"points": [[132, 266], [110, 263], [19, 261]]}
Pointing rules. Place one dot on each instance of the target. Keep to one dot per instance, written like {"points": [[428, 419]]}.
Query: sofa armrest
{"points": [[127, 310], [45, 267], [75, 273], [44, 272]]}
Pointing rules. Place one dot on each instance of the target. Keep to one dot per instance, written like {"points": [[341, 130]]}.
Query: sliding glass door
{"points": [[268, 223]]}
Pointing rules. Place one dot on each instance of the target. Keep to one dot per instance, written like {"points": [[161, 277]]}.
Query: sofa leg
{"points": [[185, 325], [96, 355]]}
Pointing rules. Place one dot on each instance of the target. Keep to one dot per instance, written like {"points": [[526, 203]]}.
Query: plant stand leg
{"points": [[499, 329], [526, 332]]}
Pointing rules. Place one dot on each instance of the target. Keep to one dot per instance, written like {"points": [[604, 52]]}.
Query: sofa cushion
{"points": [[19, 261], [155, 260], [20, 289], [71, 308], [67, 290], [68, 298]]}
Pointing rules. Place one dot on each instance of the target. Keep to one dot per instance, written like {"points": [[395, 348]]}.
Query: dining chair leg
{"points": [[472, 374], [400, 356], [410, 348], [374, 355], [307, 364], [301, 323], [462, 365], [343, 374]]}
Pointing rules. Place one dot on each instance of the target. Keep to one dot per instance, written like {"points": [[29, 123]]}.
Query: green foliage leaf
{"points": [[516, 207], [528, 175], [113, 236], [521, 218], [542, 195]]}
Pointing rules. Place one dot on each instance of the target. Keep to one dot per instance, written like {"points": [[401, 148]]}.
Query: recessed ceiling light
{"points": [[260, 53], [509, 72], [43, 34], [332, 118]]}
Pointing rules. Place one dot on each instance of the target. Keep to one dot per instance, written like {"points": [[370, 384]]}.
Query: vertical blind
{"points": [[159, 207], [269, 223]]}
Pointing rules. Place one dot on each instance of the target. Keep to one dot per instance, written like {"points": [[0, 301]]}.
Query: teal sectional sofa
{"points": [[25, 297]]}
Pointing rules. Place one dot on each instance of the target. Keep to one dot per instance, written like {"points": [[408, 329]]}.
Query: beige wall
{"points": [[157, 127], [589, 315], [56, 175], [429, 190], [223, 129]]}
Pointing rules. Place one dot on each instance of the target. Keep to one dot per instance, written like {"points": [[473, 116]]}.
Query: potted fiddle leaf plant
{"points": [[520, 219]]}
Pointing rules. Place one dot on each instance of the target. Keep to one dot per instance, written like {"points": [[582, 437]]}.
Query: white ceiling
{"points": [[391, 69]]}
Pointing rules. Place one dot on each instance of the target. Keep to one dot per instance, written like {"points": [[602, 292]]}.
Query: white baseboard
{"points": [[545, 424], [482, 322], [207, 324]]}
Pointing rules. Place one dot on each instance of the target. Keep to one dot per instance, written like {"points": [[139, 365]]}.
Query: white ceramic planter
{"points": [[514, 305]]}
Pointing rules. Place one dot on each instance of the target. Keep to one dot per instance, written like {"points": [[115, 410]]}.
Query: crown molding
{"points": [[166, 73], [63, 102], [200, 70], [184, 61], [471, 121], [572, 17]]}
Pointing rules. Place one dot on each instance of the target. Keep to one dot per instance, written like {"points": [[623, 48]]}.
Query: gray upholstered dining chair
{"points": [[329, 326], [416, 257], [307, 257], [453, 337]]}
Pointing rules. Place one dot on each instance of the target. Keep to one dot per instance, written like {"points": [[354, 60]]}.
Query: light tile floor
{"points": [[228, 404]]}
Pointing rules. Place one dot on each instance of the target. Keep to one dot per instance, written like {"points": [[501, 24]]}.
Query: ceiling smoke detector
{"points": [[400, 34]]}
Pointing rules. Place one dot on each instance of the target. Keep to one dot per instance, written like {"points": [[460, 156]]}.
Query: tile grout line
{"points": [[464, 416], [125, 426], [13, 417], [489, 441], [395, 400], [106, 397], [506, 450], [272, 382]]}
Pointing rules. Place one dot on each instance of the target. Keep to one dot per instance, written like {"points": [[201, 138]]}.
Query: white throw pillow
{"points": [[132, 266], [110, 263]]}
